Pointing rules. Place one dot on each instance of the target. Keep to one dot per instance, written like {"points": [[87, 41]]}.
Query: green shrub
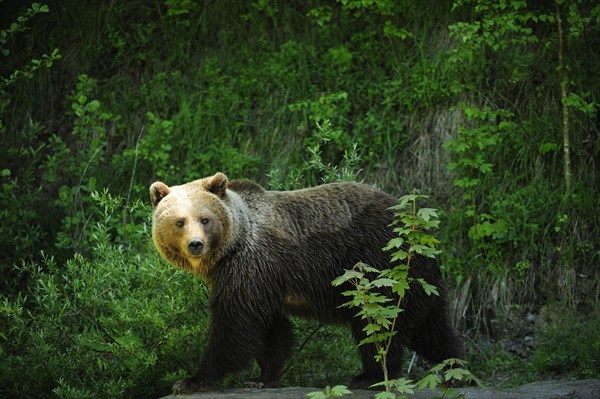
{"points": [[497, 366], [22, 228], [323, 355], [569, 345], [120, 323], [77, 177], [316, 168]]}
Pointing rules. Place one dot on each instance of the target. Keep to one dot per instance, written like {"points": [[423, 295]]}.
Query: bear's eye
{"points": [[204, 221], [180, 223]]}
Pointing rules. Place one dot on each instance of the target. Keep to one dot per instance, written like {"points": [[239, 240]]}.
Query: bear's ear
{"points": [[217, 184], [158, 191]]}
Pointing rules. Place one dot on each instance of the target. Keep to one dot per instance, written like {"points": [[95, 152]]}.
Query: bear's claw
{"points": [[255, 384]]}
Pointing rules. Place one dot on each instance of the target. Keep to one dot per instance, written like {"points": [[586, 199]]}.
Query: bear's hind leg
{"points": [[279, 342], [436, 340], [372, 372]]}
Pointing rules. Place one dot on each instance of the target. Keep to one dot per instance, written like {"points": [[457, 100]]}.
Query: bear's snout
{"points": [[195, 246]]}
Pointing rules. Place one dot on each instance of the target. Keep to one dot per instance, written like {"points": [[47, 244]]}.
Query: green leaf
{"points": [[400, 255], [430, 252], [399, 385], [399, 274], [383, 282], [429, 240], [385, 395], [394, 242], [451, 362], [348, 275], [427, 213], [316, 395], [400, 288], [389, 313], [363, 267], [401, 268], [456, 374], [403, 385], [340, 390], [431, 381], [371, 328], [372, 309], [371, 339], [351, 293], [431, 289], [377, 298], [547, 147], [93, 106]]}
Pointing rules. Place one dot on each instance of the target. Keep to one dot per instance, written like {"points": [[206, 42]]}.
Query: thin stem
{"points": [[563, 97]]}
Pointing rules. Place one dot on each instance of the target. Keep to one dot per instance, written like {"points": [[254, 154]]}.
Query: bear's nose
{"points": [[195, 246]]}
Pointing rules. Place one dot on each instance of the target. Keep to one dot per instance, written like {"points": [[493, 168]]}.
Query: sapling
{"points": [[379, 293]]}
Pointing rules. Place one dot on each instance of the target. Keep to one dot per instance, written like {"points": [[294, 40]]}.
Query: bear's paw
{"points": [[251, 384], [189, 385]]}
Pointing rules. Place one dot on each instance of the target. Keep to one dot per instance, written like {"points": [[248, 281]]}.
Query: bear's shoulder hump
{"points": [[244, 185]]}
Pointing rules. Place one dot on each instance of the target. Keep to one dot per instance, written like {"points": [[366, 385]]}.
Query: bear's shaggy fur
{"points": [[266, 255]]}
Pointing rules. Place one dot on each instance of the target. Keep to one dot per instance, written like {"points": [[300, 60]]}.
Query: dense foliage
{"points": [[488, 105]]}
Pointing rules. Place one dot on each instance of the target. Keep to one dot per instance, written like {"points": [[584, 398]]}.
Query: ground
{"points": [[582, 389]]}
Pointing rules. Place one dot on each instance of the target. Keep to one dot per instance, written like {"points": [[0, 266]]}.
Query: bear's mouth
{"points": [[194, 260]]}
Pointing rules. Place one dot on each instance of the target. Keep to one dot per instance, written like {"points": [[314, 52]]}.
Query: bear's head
{"points": [[191, 225]]}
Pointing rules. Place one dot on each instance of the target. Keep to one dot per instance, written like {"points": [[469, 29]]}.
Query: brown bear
{"points": [[266, 255]]}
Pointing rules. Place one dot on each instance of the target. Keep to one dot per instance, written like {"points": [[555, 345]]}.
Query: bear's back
{"points": [[329, 208]]}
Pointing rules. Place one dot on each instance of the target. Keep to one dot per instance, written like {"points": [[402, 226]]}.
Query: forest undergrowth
{"points": [[488, 106]]}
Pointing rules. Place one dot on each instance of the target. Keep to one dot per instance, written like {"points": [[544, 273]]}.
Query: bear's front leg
{"points": [[208, 375], [232, 345], [279, 341]]}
